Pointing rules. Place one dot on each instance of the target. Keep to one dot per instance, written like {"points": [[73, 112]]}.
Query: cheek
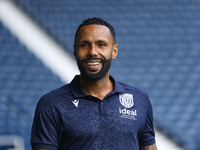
{"points": [[79, 54], [108, 55]]}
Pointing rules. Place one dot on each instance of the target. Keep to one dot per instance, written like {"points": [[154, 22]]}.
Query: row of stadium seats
{"points": [[23, 80]]}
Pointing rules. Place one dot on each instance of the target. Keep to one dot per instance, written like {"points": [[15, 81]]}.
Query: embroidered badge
{"points": [[126, 100]]}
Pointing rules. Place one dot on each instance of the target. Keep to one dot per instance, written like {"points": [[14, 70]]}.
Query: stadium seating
{"points": [[159, 52], [23, 80]]}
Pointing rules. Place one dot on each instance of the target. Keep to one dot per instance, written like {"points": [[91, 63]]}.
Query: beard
{"points": [[97, 76]]}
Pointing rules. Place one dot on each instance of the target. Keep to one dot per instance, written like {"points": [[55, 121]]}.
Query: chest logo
{"points": [[126, 100], [75, 102]]}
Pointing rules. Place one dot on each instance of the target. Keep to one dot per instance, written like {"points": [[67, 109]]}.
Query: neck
{"points": [[98, 88]]}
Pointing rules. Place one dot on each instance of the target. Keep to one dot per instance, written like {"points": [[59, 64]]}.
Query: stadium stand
{"points": [[159, 52], [23, 80]]}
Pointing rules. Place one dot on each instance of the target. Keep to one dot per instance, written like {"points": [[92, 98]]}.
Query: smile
{"points": [[93, 63]]}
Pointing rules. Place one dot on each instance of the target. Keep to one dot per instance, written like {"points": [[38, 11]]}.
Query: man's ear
{"points": [[115, 51], [74, 51]]}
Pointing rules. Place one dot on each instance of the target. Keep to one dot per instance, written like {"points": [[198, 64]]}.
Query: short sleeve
{"points": [[148, 135], [44, 130]]}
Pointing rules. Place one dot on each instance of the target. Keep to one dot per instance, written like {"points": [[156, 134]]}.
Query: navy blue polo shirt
{"points": [[69, 119]]}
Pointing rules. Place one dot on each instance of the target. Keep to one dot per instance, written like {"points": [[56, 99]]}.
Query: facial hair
{"points": [[97, 76]]}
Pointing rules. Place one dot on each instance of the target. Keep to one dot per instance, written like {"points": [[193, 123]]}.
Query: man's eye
{"points": [[83, 45], [101, 44]]}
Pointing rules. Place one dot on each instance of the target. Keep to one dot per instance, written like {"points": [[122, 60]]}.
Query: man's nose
{"points": [[93, 51]]}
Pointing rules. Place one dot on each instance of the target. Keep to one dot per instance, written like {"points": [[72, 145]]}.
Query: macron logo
{"points": [[75, 102]]}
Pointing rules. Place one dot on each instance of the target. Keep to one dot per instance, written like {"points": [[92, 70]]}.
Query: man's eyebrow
{"points": [[83, 41], [98, 41], [102, 41]]}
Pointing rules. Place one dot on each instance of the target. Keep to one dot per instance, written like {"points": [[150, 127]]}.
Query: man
{"points": [[94, 111]]}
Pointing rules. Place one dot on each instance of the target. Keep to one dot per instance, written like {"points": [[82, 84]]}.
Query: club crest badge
{"points": [[126, 100]]}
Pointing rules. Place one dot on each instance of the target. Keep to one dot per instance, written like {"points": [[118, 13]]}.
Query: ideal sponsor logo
{"points": [[128, 114]]}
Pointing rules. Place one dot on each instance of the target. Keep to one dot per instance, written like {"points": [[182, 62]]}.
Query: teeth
{"points": [[94, 63]]}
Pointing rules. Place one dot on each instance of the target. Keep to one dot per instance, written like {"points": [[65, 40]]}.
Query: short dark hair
{"points": [[96, 21]]}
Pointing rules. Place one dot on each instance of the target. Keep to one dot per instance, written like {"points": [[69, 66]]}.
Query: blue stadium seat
{"points": [[23, 80]]}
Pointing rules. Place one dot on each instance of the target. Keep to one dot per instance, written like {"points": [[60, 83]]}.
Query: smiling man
{"points": [[94, 48], [94, 112]]}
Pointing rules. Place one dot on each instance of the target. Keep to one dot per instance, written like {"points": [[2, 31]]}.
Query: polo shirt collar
{"points": [[78, 92]]}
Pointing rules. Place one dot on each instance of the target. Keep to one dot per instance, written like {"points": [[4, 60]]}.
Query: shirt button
{"points": [[102, 103]]}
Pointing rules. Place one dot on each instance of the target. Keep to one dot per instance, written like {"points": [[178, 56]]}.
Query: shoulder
{"points": [[57, 92], [140, 96], [134, 90], [51, 98]]}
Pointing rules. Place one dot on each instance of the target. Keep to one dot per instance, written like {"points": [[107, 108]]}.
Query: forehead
{"points": [[93, 31]]}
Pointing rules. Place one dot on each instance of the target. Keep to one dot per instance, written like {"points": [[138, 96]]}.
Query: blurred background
{"points": [[159, 52]]}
